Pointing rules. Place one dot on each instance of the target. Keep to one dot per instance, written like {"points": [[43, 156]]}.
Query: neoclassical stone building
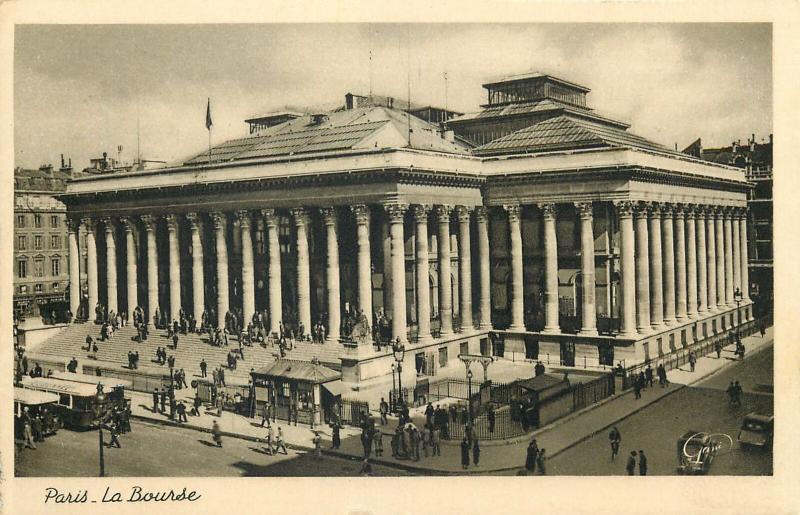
{"points": [[570, 238]]}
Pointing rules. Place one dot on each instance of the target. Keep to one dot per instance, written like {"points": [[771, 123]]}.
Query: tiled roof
{"points": [[567, 132], [299, 371], [341, 130]]}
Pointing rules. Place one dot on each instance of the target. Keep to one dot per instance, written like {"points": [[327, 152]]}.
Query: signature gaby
{"points": [[135, 494]]}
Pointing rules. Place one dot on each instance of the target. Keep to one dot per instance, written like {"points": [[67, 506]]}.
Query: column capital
{"points": [[129, 223], [584, 209], [548, 210], [396, 212], [244, 218], [172, 222], [741, 213], [667, 209], [149, 222], [640, 209], [625, 208], [727, 212], [481, 214], [654, 209], [713, 212], [463, 213], [514, 211], [328, 215], [109, 224], [218, 219], [300, 215], [680, 211], [442, 212], [420, 212], [270, 216], [361, 213], [73, 224], [194, 219]]}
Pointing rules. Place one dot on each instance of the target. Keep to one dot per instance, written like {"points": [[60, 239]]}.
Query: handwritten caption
{"points": [[133, 494]]}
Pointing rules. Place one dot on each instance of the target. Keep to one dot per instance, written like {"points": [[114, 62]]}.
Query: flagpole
{"points": [[209, 123]]}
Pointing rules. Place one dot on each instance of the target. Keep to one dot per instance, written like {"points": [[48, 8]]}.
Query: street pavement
{"points": [[563, 436], [701, 407], [156, 450]]}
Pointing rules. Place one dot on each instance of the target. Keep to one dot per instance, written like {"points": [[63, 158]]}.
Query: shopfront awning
{"points": [[336, 388]]}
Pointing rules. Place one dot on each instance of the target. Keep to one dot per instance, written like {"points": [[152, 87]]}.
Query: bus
{"points": [[76, 401]]}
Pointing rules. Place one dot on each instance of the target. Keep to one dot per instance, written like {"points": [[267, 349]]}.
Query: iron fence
{"points": [[352, 412], [592, 392], [505, 425]]}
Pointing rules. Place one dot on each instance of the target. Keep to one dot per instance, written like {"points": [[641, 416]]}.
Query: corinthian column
{"points": [[680, 265], [248, 275], [130, 261], [628, 279], [91, 265], [198, 277], [274, 272], [150, 227], [642, 270], [420, 213], [111, 265], [396, 214], [550, 269], [361, 212], [73, 226], [656, 270], [743, 256], [711, 260], [667, 225], [220, 225], [173, 229], [719, 232], [691, 263], [445, 287], [300, 216], [737, 258], [517, 299], [589, 315], [702, 262], [482, 220], [464, 267], [332, 240], [728, 234]]}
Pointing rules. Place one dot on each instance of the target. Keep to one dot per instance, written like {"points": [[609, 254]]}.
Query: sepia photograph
{"points": [[367, 249]]}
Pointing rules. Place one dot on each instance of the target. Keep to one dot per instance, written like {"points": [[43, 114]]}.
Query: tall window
{"points": [[55, 241], [22, 269], [38, 268], [37, 242], [38, 289], [20, 220], [56, 267], [22, 242], [55, 286], [53, 220], [37, 221]]}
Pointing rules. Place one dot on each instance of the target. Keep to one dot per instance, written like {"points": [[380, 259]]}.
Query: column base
{"points": [[693, 316], [485, 326], [643, 330], [672, 322], [588, 332], [630, 335], [426, 339], [551, 330], [446, 334], [659, 327], [517, 328]]}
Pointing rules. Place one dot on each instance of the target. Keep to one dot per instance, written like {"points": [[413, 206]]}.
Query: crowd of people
{"points": [[645, 379]]}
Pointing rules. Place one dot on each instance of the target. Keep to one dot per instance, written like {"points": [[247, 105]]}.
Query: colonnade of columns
{"points": [[395, 218], [677, 262]]}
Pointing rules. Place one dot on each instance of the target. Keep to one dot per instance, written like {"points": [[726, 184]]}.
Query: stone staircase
{"points": [[191, 349]]}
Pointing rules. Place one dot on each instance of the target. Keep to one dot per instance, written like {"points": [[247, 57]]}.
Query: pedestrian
{"points": [[540, 462], [183, 379], [630, 466], [216, 433], [692, 360], [642, 463], [163, 400], [270, 438], [637, 388], [196, 405], [203, 367], [182, 412], [615, 438], [155, 400], [464, 454], [28, 430], [718, 349], [762, 327], [113, 429], [317, 445], [336, 439], [490, 417], [279, 443], [265, 414], [530, 457], [429, 414], [384, 409], [426, 439], [377, 438], [476, 451], [737, 389], [366, 468], [648, 375], [436, 438]]}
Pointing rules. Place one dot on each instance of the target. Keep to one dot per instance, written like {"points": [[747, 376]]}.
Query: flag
{"points": [[209, 123]]}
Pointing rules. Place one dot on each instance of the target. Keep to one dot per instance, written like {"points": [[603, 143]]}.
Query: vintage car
{"points": [[697, 450], [757, 430]]}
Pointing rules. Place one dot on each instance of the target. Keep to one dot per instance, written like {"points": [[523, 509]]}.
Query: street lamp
{"points": [[99, 413], [171, 393], [469, 394], [394, 389], [399, 352], [737, 296]]}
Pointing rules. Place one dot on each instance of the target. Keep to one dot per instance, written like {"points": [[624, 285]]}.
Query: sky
{"points": [[80, 89]]}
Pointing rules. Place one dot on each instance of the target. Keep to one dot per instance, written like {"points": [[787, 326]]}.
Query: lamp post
{"points": [[737, 296], [469, 394], [99, 412], [399, 352], [171, 393], [394, 389]]}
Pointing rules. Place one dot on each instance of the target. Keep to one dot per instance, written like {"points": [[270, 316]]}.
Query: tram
{"points": [[36, 403], [77, 403], [113, 388]]}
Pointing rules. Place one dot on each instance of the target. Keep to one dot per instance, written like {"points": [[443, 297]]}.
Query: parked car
{"points": [[757, 430]]}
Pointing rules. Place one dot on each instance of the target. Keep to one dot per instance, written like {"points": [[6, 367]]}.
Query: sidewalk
{"points": [[496, 455]]}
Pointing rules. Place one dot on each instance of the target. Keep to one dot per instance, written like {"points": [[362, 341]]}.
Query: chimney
{"points": [[348, 101], [62, 160], [449, 135], [733, 147], [753, 143]]}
